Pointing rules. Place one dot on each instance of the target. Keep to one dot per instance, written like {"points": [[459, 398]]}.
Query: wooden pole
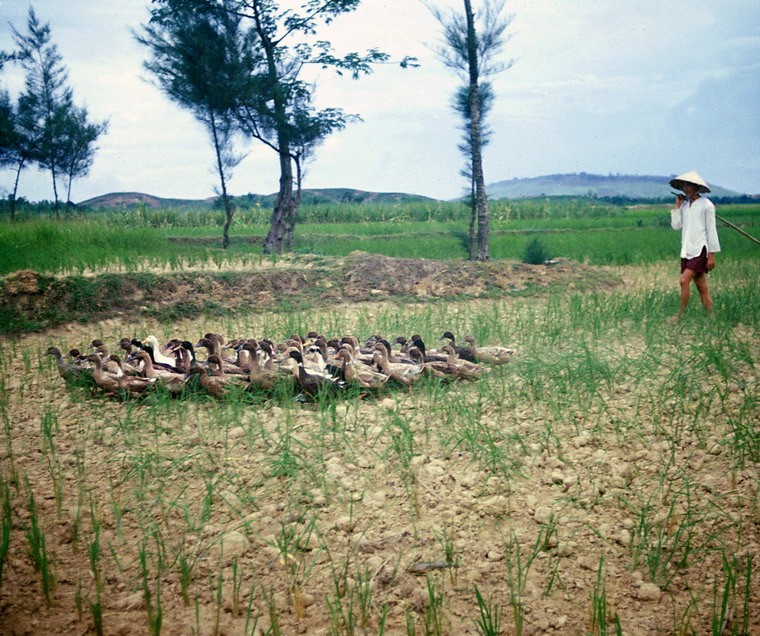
{"points": [[738, 229]]}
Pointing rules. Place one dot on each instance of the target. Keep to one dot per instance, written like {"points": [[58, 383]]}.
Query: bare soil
{"points": [[303, 514]]}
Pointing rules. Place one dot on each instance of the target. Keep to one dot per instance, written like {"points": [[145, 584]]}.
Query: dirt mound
{"points": [[372, 275], [30, 301], [24, 281]]}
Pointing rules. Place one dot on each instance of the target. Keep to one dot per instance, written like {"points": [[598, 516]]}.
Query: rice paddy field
{"points": [[604, 481]]}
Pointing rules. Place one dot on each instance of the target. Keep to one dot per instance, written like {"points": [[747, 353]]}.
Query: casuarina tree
{"points": [[202, 60], [470, 47], [273, 104], [80, 136], [49, 129], [47, 97]]}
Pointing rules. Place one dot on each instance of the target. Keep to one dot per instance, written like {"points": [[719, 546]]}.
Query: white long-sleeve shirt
{"points": [[696, 220]]}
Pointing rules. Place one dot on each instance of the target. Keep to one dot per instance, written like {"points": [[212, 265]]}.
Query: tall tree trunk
{"points": [[229, 209], [55, 192], [297, 197], [481, 202], [285, 205], [70, 178], [473, 222], [12, 201]]}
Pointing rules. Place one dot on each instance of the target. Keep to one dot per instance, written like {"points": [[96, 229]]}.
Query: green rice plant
{"points": [[667, 540], [449, 553], [251, 621], [402, 443], [293, 542], [94, 555], [151, 586], [274, 628], [186, 567], [434, 622], [208, 498], [489, 618], [79, 599], [6, 521], [237, 581], [599, 617], [731, 608], [13, 476], [49, 428], [96, 611], [37, 552], [350, 605], [518, 568], [410, 623], [744, 437], [497, 448], [216, 585]]}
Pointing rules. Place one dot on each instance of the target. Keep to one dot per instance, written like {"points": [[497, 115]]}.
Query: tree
{"points": [[461, 104], [47, 98], [273, 105], [203, 60], [471, 53], [79, 138], [286, 121], [18, 140]]}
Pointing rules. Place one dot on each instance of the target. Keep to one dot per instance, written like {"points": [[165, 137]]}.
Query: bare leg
{"points": [[700, 280], [685, 282]]}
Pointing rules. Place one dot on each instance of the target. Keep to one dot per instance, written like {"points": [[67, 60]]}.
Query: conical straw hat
{"points": [[690, 177]]}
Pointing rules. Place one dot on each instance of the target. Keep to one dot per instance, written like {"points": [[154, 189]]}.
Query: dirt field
{"points": [[194, 517]]}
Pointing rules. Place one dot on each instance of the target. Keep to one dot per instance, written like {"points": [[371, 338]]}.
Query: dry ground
{"points": [[313, 515]]}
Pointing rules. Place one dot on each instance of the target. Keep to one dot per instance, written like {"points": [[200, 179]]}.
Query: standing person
{"points": [[694, 215]]}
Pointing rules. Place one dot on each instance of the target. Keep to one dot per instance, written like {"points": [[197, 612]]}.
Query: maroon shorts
{"points": [[697, 264]]}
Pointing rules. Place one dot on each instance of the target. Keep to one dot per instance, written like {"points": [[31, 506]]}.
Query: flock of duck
{"points": [[313, 365]]}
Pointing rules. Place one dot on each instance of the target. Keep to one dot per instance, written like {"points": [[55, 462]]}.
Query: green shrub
{"points": [[535, 252]]}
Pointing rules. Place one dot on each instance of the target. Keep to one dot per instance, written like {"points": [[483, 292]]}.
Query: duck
{"points": [[433, 368], [214, 350], [360, 374], [463, 352], [313, 384], [359, 354], [405, 373], [158, 355], [492, 354], [460, 368], [113, 384], [432, 356], [262, 377], [184, 355], [173, 381], [68, 371], [214, 386]]}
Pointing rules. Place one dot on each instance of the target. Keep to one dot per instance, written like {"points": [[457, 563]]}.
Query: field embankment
{"points": [[29, 300]]}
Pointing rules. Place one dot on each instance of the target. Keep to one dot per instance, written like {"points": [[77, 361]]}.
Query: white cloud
{"points": [[598, 85]]}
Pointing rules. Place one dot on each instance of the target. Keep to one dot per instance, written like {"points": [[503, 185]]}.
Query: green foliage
{"points": [[535, 252]]}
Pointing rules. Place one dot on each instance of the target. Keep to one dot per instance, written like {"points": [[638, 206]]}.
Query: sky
{"points": [[598, 86]]}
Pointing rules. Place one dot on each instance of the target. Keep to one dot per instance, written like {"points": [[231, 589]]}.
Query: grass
{"points": [[142, 240]]}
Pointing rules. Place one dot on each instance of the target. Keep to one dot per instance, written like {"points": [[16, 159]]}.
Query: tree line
{"points": [[43, 126], [237, 66]]}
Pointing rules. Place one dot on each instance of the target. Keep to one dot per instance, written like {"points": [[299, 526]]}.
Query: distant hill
{"points": [[122, 200], [583, 184]]}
